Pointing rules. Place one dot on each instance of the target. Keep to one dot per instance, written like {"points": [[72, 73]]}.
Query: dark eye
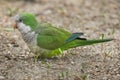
{"points": [[20, 20]]}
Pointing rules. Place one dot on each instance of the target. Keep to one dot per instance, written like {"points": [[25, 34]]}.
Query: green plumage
{"points": [[29, 19], [54, 39], [50, 37]]}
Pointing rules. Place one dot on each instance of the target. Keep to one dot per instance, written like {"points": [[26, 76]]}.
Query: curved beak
{"points": [[15, 26]]}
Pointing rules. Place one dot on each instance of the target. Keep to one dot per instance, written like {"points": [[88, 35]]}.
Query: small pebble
{"points": [[15, 45], [2, 77]]}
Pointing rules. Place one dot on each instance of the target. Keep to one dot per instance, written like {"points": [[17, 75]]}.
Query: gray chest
{"points": [[31, 40]]}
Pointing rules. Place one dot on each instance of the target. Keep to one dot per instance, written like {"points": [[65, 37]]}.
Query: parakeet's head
{"points": [[27, 19]]}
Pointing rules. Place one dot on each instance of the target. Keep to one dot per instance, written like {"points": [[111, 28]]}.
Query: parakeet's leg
{"points": [[54, 53], [49, 54], [36, 57]]}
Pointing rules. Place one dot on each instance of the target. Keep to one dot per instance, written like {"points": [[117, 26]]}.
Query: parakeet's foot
{"points": [[47, 55], [36, 57]]}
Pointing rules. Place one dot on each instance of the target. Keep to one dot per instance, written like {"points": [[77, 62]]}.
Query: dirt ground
{"points": [[93, 17]]}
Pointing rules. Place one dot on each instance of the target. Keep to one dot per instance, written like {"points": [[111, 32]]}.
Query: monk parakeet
{"points": [[46, 39]]}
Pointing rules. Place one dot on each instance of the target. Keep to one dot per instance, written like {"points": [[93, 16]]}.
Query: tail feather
{"points": [[74, 44], [77, 43]]}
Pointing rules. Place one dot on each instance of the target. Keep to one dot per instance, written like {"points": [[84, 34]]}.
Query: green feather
{"points": [[29, 19], [54, 39], [77, 43], [50, 37], [73, 37]]}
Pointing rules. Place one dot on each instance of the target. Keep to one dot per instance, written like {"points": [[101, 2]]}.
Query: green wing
{"points": [[50, 37], [74, 36]]}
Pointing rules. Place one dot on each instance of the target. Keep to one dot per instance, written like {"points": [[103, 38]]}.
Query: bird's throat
{"points": [[23, 28]]}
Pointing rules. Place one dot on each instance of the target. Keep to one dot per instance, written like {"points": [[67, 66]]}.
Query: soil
{"points": [[95, 18]]}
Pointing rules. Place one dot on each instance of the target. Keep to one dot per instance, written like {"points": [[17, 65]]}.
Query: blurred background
{"points": [[95, 18]]}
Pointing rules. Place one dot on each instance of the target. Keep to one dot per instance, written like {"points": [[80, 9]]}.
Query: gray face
{"points": [[20, 25], [18, 19]]}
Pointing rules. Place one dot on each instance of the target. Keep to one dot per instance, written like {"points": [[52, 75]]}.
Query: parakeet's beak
{"points": [[15, 26]]}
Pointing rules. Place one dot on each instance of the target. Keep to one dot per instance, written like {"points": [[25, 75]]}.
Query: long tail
{"points": [[77, 43], [74, 44]]}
